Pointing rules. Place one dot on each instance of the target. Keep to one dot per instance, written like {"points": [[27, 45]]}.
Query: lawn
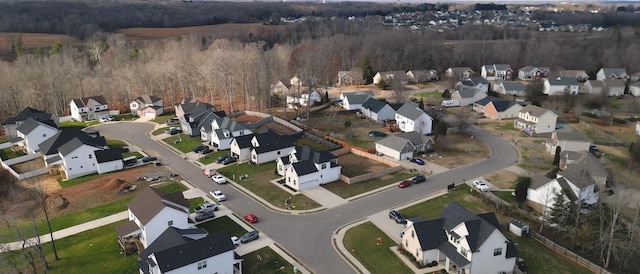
{"points": [[77, 124], [539, 259], [164, 117], [93, 251], [115, 143], [125, 117], [159, 131], [224, 224], [269, 262], [259, 183], [172, 187], [79, 180], [182, 142], [345, 190], [4, 138], [133, 153], [377, 258], [505, 196], [194, 202], [428, 94], [432, 208], [354, 165], [211, 157], [7, 153]]}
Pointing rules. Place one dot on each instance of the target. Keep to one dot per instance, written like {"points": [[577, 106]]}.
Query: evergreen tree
{"points": [[421, 104], [446, 94], [556, 158], [522, 186], [367, 70]]}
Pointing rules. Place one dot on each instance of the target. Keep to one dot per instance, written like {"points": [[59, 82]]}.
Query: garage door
{"points": [[150, 114]]}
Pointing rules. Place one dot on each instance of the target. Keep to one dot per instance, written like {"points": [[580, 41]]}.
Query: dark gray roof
{"points": [[614, 83], [304, 167], [479, 229], [534, 111], [30, 124], [357, 98], [147, 99], [396, 143], [189, 105], [430, 233], [172, 237], [374, 104], [108, 155], [617, 72], [586, 160], [596, 83], [74, 144], [512, 250], [271, 141], [569, 133], [578, 175], [304, 153], [484, 101], [538, 181], [502, 67], [150, 201], [563, 81], [82, 102], [564, 184], [466, 92], [28, 112], [415, 138], [244, 141], [503, 105], [479, 80], [513, 86], [227, 123], [51, 145], [411, 111], [452, 253]]}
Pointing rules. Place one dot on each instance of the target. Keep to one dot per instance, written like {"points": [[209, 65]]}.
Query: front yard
{"points": [[457, 149], [376, 257], [223, 224], [182, 142]]}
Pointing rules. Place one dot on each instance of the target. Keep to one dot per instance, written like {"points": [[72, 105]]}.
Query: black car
{"points": [[376, 133], [204, 215], [222, 158], [206, 150], [418, 179], [395, 215], [149, 159], [199, 148], [228, 160], [249, 236]]}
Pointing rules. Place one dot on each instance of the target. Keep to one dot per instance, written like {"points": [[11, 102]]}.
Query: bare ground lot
{"points": [[354, 165], [460, 149], [502, 179]]}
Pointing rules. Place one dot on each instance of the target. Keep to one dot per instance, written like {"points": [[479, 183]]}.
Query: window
{"points": [[278, 152], [406, 243], [44, 135], [170, 223], [413, 234], [324, 166], [90, 156], [202, 265], [463, 251], [81, 166], [497, 251]]}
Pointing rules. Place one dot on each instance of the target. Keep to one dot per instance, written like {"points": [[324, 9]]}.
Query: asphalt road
{"points": [[308, 237]]}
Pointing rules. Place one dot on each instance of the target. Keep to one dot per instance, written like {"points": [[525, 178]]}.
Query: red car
{"points": [[251, 218], [404, 184]]}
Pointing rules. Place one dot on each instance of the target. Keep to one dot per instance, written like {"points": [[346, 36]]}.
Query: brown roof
{"points": [[150, 201], [125, 229], [535, 111]]}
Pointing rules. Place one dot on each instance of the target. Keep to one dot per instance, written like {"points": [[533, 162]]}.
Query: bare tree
{"points": [[39, 196]]}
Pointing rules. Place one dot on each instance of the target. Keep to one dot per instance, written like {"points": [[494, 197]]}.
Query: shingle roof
{"points": [[452, 253], [147, 99], [83, 102], [307, 153], [304, 167], [357, 98], [28, 112], [578, 175], [618, 72], [150, 201], [374, 104], [533, 110], [479, 80], [74, 144], [171, 237], [466, 92], [527, 69], [430, 233], [108, 155], [479, 229], [30, 124], [614, 83], [411, 111], [584, 159], [396, 143], [484, 101], [503, 105], [244, 141], [573, 73], [596, 83], [517, 86], [415, 138], [502, 67], [271, 141], [563, 81], [51, 145]]}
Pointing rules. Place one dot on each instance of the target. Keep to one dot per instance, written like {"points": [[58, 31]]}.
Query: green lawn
{"points": [[172, 187], [540, 259], [506, 196], [115, 143], [505, 127], [361, 242], [269, 262], [302, 141], [429, 94], [70, 124], [159, 131], [224, 224], [164, 117], [93, 251], [211, 157], [133, 153], [7, 153], [194, 202], [432, 208], [79, 180], [258, 183], [125, 117], [182, 142], [345, 191]]}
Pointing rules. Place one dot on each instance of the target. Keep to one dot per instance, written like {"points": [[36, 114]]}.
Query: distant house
{"points": [[306, 168], [580, 75], [31, 133], [614, 87], [475, 82], [497, 72], [403, 145], [638, 128], [280, 88], [378, 110], [223, 130], [269, 146], [355, 101], [634, 89], [498, 110], [410, 118], [578, 185], [312, 96], [467, 95], [595, 87], [567, 139], [240, 147], [459, 73], [510, 88], [199, 121], [478, 106], [188, 105], [531, 73], [535, 120], [560, 86], [89, 108], [147, 106], [12, 123], [351, 77], [461, 242], [391, 78], [612, 73], [421, 76]]}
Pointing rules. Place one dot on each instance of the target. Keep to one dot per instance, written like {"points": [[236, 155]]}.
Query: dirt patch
{"points": [[247, 119], [354, 165], [457, 149], [27, 166], [502, 179]]}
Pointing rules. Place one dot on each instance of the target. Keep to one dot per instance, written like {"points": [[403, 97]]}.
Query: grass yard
{"points": [[182, 142], [194, 202], [4, 138], [171, 187], [93, 251], [159, 131], [223, 224], [125, 117], [269, 262], [539, 259], [345, 190], [164, 117], [302, 141], [505, 196], [428, 94], [115, 143], [533, 157], [78, 124], [79, 180], [259, 183], [354, 165], [458, 149], [502, 179], [30, 165], [211, 157], [129, 154], [7, 153], [361, 241]]}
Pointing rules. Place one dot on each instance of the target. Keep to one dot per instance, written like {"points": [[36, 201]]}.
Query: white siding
{"points": [[109, 166], [80, 162], [269, 156], [160, 222], [37, 136], [485, 262]]}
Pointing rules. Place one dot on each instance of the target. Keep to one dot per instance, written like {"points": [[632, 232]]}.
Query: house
{"points": [[240, 147], [78, 158], [467, 95], [612, 73], [295, 82], [403, 145], [12, 123], [475, 82], [498, 110], [223, 130], [634, 89], [461, 242], [280, 88], [567, 139], [344, 94], [410, 118], [306, 168], [614, 87], [89, 108], [571, 161], [531, 73], [560, 86], [151, 212], [199, 121], [580, 75], [378, 110], [535, 120], [188, 105], [421, 76], [108, 160], [595, 87], [312, 96], [190, 251], [355, 101], [269, 146], [578, 185], [496, 72], [510, 88], [49, 148], [351, 77], [478, 106], [147, 106], [391, 78], [459, 73], [31, 133]]}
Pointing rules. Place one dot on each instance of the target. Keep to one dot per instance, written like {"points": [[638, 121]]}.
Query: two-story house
{"points": [[496, 72], [391, 78], [594, 87], [280, 88], [31, 133], [577, 184], [89, 108], [79, 159], [306, 168], [378, 110], [560, 86], [475, 82], [576, 160], [269, 146], [612, 73], [503, 109], [535, 120], [354, 101], [147, 106], [461, 242], [403, 145], [351, 77], [50, 147], [199, 121], [510, 88], [421, 76], [223, 130], [188, 105], [410, 118], [614, 87], [580, 75], [459, 73], [531, 73], [240, 147], [12, 123], [467, 95], [568, 139]]}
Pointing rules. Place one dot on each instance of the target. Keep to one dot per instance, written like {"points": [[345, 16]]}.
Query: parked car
{"points": [[415, 100], [250, 217], [396, 216], [173, 121], [149, 159], [204, 215], [219, 179], [206, 151], [199, 148], [418, 179], [416, 160], [220, 159], [103, 119], [405, 183], [235, 240], [593, 149], [481, 186], [218, 195], [250, 236], [228, 160], [376, 133], [207, 207]]}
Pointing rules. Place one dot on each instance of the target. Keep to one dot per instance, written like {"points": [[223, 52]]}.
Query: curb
{"points": [[338, 246]]}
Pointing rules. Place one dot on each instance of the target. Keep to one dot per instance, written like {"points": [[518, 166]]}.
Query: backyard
{"points": [[30, 165], [354, 165], [346, 191], [8, 153]]}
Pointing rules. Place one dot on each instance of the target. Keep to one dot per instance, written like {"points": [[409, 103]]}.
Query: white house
{"points": [[89, 108], [510, 88], [421, 76], [461, 242], [496, 72], [351, 77], [638, 128], [223, 130], [410, 118], [579, 187], [391, 78], [147, 106], [269, 146], [403, 145], [459, 73], [530, 73], [312, 96], [534, 120], [502, 109], [49, 148], [634, 89], [467, 95], [560, 86], [199, 121], [151, 212], [306, 168], [475, 82], [32, 133], [378, 110], [567, 139], [612, 73], [614, 87], [580, 75], [108, 160], [573, 161], [240, 147], [354, 101], [280, 88], [78, 158], [12, 123], [595, 87]]}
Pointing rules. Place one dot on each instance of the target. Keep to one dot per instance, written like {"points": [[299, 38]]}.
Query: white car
{"points": [[481, 186], [207, 207], [218, 195], [235, 240], [219, 179]]}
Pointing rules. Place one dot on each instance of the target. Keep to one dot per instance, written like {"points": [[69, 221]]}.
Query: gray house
{"points": [[378, 110]]}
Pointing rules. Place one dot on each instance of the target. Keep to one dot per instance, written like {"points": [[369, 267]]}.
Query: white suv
{"points": [[481, 186], [207, 207]]}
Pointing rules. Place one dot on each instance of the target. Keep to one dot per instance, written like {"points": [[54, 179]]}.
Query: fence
{"points": [[369, 176], [616, 141], [568, 254], [5, 145]]}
